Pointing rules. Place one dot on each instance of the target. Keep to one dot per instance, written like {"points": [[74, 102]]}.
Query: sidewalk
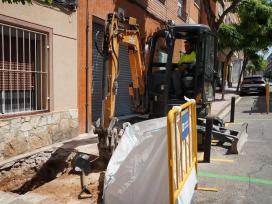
{"points": [[219, 106]]}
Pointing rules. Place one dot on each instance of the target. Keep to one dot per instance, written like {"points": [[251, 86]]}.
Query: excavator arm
{"points": [[119, 29]]}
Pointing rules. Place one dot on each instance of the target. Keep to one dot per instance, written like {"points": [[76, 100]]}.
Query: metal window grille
{"points": [[23, 70], [197, 2]]}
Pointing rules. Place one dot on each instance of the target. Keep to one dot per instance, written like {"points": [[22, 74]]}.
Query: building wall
{"points": [[169, 10], [203, 15], [23, 133], [64, 56], [193, 12]]}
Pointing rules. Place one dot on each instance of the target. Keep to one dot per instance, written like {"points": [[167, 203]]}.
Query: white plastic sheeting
{"points": [[138, 170]]}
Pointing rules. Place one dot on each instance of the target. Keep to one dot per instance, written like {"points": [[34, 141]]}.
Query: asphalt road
{"points": [[247, 177]]}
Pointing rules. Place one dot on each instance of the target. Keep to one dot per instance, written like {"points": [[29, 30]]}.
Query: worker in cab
{"points": [[189, 57], [182, 81]]}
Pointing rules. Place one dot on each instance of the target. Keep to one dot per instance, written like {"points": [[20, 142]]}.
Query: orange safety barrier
{"points": [[182, 146]]}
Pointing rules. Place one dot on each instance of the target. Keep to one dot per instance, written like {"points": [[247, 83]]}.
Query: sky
{"points": [[268, 53]]}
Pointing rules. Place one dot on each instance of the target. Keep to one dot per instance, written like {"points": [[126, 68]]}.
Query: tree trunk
{"points": [[224, 74], [242, 71]]}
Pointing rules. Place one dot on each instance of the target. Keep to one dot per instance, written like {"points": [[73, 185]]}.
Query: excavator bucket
{"points": [[240, 138], [235, 135]]}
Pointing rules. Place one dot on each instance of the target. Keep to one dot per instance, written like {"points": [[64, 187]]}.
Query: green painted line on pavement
{"points": [[236, 178]]}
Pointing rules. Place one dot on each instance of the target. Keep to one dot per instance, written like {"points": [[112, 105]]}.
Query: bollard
{"points": [[267, 97], [208, 138], [232, 110]]}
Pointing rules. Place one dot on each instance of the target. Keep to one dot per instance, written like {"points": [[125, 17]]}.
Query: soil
{"points": [[66, 189], [55, 178]]}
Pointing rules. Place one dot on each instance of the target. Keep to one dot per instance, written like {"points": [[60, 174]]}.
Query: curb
{"points": [[46, 148], [226, 109]]}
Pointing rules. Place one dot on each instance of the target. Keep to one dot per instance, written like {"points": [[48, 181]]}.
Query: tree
{"points": [[229, 42], [252, 34], [255, 28], [215, 20], [258, 63]]}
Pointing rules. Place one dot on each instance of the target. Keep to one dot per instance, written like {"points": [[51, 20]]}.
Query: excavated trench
{"points": [[52, 173], [35, 172]]}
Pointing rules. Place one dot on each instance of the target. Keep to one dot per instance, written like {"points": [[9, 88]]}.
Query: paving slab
{"points": [[7, 197]]}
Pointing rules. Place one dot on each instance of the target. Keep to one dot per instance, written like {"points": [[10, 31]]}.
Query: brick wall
{"points": [[203, 15], [169, 10]]}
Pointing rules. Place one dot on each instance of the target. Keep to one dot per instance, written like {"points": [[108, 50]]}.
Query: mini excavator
{"points": [[164, 83]]}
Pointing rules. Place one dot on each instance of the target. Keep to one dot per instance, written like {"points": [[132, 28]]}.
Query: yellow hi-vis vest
{"points": [[188, 58]]}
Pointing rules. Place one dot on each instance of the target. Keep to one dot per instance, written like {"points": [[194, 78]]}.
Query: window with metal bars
{"points": [[182, 10], [23, 70], [197, 2]]}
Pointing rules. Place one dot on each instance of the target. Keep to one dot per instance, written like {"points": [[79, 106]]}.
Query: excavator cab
{"points": [[171, 80]]}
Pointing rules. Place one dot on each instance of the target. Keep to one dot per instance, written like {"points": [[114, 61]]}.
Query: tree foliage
{"points": [[251, 35], [255, 24], [229, 37], [257, 63]]}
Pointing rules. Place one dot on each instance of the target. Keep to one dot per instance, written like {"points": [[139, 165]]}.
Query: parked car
{"points": [[252, 84]]}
